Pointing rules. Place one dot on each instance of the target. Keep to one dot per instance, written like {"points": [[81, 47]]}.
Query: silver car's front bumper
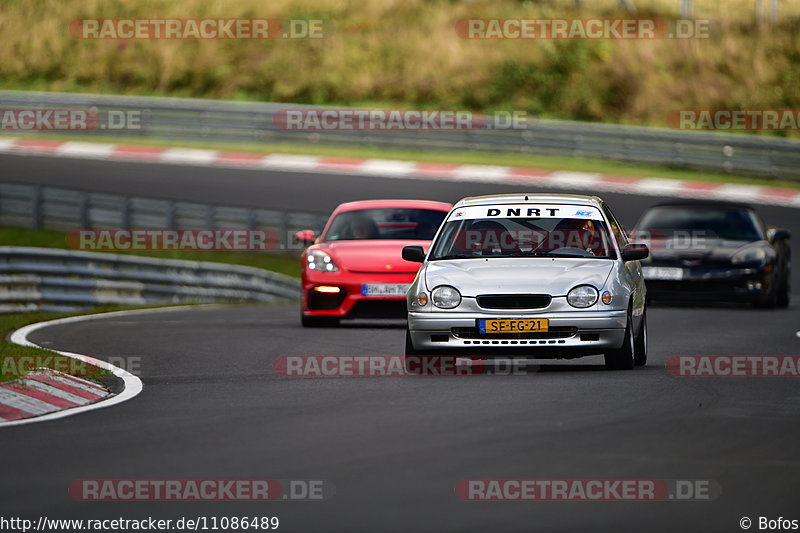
{"points": [[582, 332]]}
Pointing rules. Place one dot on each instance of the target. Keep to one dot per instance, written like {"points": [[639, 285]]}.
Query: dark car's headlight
{"points": [[321, 262], [752, 255], [582, 296], [445, 297]]}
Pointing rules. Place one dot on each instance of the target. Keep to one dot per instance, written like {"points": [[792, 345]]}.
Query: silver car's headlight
{"points": [[582, 296], [750, 255], [445, 297], [321, 262]]}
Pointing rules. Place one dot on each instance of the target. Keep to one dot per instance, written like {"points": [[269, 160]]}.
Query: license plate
{"points": [[512, 325], [384, 289], [665, 273]]}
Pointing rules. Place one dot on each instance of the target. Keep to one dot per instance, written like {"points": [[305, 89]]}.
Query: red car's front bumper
{"points": [[349, 301]]}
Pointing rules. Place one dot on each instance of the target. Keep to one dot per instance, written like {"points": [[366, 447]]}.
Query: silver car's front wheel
{"points": [[623, 357], [640, 355]]}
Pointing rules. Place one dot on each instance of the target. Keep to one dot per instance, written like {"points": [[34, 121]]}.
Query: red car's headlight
{"points": [[321, 262]]}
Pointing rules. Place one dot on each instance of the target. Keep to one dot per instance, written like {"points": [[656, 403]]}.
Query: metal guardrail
{"points": [[229, 121], [48, 279], [65, 209]]}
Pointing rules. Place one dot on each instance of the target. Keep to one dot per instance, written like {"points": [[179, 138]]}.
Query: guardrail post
{"points": [[36, 208], [126, 213], [686, 8], [84, 211], [284, 231], [210, 216], [172, 215], [251, 219]]}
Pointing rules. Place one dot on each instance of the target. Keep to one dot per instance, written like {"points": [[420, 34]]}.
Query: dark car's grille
{"points": [[561, 332], [514, 301]]}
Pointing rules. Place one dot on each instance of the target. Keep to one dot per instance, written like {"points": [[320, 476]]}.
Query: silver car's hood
{"points": [[535, 275]]}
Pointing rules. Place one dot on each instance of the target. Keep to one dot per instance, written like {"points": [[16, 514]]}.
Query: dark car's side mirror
{"points": [[305, 236], [779, 234], [415, 254], [635, 252]]}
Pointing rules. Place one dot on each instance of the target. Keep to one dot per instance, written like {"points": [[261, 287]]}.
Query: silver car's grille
{"points": [[560, 332], [514, 301]]}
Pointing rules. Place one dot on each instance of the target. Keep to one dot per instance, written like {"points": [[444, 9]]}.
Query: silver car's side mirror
{"points": [[635, 252], [414, 253]]}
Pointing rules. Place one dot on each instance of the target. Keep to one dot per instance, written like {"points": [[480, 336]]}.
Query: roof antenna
{"points": [[526, 197]]}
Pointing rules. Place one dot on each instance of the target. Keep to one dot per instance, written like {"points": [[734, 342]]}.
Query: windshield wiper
{"points": [[455, 256]]}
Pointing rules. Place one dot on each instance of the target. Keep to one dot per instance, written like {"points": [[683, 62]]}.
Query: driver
{"points": [[577, 233], [362, 228]]}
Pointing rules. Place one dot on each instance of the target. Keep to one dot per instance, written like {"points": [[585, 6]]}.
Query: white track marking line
{"points": [[387, 167], [573, 180], [481, 173], [290, 162], [188, 156], [7, 145], [86, 150], [658, 186], [738, 192]]}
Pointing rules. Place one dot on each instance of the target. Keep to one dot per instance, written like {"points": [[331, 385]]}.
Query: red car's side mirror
{"points": [[305, 236]]}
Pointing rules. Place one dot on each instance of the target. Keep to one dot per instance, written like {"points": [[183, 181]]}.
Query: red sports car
{"points": [[355, 269]]}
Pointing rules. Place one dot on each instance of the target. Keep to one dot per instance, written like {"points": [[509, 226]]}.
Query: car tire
{"points": [[640, 346], [319, 321], [784, 293], [623, 357]]}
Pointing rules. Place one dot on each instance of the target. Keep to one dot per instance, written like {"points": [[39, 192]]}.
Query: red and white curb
{"points": [[70, 401], [46, 391], [383, 168]]}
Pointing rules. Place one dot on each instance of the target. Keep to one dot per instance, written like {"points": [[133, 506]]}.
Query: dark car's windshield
{"points": [[385, 223], [523, 237], [728, 223]]}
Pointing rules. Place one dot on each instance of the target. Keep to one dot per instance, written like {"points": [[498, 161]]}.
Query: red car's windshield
{"points": [[385, 223]]}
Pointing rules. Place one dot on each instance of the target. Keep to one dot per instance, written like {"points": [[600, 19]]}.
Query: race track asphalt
{"points": [[394, 448]]}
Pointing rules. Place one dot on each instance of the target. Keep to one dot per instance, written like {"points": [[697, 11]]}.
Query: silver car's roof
{"points": [[573, 199]]}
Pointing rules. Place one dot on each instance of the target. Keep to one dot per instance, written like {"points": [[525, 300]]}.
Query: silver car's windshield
{"points": [[523, 237]]}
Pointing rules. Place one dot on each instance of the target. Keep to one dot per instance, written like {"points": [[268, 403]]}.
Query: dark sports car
{"points": [[714, 251]]}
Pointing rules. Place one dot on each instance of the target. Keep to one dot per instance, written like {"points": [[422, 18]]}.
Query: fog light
{"points": [[753, 285], [607, 297], [327, 289]]}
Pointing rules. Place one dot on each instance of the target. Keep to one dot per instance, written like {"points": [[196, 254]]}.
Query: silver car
{"points": [[533, 276]]}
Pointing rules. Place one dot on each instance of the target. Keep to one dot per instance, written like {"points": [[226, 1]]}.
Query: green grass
{"points": [[283, 264], [602, 166], [406, 53], [10, 364]]}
